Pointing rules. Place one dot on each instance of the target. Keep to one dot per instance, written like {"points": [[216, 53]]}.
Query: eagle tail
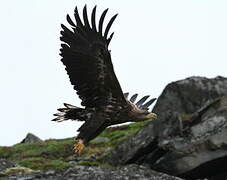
{"points": [[69, 112]]}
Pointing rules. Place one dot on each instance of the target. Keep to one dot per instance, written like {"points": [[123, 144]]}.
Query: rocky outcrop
{"points": [[188, 141], [186, 97], [4, 164], [200, 149], [133, 172], [31, 138], [189, 137]]}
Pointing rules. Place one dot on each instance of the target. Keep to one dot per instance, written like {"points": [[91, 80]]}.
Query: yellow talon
{"points": [[78, 146]]}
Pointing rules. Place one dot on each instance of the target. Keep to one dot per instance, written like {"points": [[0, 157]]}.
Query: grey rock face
{"points": [[4, 164], [203, 145], [186, 97], [189, 135], [132, 172], [100, 139], [31, 138]]}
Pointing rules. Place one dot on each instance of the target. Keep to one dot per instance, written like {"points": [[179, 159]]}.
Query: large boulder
{"points": [[189, 137], [199, 149], [31, 138], [185, 97]]}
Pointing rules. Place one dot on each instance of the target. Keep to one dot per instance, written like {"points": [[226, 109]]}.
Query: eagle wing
{"points": [[88, 61]]}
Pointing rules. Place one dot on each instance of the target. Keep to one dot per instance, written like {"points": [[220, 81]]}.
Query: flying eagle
{"points": [[87, 59]]}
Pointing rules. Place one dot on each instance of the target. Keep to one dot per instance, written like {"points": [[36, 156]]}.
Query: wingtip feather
{"points": [[109, 25], [93, 21]]}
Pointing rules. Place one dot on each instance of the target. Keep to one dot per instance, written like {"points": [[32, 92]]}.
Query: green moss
{"points": [[6, 152], [54, 154], [138, 125], [15, 171], [186, 117], [38, 163], [49, 149], [118, 134]]}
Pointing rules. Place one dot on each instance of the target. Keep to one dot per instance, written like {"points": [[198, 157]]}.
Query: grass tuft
{"points": [[39, 163], [54, 154]]}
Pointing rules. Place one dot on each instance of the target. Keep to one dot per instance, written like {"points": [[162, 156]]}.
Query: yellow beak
{"points": [[152, 116]]}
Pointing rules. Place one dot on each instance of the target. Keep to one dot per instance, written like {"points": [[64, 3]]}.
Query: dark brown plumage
{"points": [[88, 63]]}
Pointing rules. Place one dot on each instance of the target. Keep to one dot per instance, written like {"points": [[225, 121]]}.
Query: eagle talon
{"points": [[78, 146]]}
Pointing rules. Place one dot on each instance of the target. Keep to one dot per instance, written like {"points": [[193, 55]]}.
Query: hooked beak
{"points": [[152, 116]]}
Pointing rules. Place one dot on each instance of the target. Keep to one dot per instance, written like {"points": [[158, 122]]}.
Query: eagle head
{"points": [[139, 114], [144, 115], [151, 116]]}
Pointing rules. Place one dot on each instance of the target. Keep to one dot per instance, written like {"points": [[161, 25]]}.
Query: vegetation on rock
{"points": [[57, 154]]}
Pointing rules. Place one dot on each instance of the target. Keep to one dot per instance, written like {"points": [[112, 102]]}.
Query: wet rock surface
{"points": [[189, 137]]}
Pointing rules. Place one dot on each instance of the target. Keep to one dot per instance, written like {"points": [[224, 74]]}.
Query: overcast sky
{"points": [[155, 43]]}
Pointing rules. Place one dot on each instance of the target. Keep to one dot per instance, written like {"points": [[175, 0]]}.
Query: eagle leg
{"points": [[78, 146], [89, 130]]}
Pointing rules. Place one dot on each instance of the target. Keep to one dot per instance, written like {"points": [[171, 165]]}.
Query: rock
{"points": [[187, 140], [16, 171], [201, 151], [132, 172], [132, 149], [4, 164], [31, 138], [189, 135], [100, 139], [185, 97]]}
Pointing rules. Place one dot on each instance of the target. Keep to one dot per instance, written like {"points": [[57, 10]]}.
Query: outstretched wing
{"points": [[88, 61]]}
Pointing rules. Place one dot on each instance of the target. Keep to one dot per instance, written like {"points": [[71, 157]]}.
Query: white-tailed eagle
{"points": [[87, 59]]}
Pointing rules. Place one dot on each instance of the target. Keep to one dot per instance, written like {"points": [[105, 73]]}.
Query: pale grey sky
{"points": [[155, 42]]}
